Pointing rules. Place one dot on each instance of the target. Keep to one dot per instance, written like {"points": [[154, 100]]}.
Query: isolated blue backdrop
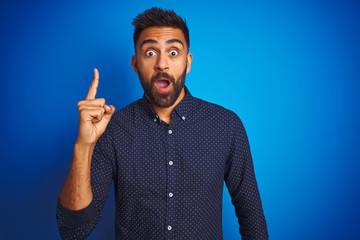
{"points": [[289, 69]]}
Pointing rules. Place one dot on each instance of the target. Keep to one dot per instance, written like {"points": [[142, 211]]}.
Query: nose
{"points": [[162, 63]]}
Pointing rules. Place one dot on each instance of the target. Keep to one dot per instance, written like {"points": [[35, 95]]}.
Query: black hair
{"points": [[158, 17]]}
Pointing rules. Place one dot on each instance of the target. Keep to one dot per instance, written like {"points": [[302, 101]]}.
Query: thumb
{"points": [[109, 111]]}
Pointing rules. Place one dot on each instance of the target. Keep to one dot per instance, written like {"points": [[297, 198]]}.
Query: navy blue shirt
{"points": [[169, 178]]}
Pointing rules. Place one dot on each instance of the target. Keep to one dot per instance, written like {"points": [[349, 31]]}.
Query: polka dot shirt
{"points": [[168, 178]]}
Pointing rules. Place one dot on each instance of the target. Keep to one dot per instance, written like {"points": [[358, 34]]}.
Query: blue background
{"points": [[289, 69]]}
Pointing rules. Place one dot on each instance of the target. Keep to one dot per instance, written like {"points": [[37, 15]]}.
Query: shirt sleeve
{"points": [[79, 224], [241, 183]]}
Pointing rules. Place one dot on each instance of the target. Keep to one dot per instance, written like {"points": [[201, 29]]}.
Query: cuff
{"points": [[72, 219]]}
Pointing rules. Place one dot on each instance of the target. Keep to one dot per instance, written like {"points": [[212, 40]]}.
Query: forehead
{"points": [[161, 34]]}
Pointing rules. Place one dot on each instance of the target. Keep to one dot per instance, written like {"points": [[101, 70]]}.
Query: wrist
{"points": [[83, 145], [83, 151]]}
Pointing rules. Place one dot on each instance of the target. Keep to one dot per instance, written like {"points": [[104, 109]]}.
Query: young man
{"points": [[167, 153]]}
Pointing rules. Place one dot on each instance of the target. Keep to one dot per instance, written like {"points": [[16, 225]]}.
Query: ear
{"points": [[189, 60], [133, 63]]}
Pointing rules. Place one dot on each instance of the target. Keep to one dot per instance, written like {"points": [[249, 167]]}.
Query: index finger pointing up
{"points": [[93, 87]]}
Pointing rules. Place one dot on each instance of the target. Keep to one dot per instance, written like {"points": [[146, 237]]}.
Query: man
{"points": [[167, 153]]}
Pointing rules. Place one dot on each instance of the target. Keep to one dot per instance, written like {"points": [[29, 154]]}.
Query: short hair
{"points": [[158, 17]]}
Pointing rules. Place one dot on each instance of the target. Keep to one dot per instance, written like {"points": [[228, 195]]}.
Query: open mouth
{"points": [[162, 83]]}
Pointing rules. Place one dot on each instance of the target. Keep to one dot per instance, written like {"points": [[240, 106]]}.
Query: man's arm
{"points": [[241, 183], [76, 207], [76, 193]]}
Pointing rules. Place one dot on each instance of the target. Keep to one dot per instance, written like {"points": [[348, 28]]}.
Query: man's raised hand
{"points": [[94, 115]]}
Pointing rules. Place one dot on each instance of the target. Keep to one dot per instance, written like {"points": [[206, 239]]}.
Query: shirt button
{"points": [[169, 228], [171, 163], [183, 118], [171, 194], [170, 132], [155, 119]]}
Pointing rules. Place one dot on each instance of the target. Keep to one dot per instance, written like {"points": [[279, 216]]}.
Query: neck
{"points": [[165, 112]]}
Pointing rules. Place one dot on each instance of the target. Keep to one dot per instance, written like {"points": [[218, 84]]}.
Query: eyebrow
{"points": [[170, 41]]}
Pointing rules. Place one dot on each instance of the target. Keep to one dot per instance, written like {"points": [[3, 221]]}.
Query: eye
{"points": [[173, 53], [150, 53]]}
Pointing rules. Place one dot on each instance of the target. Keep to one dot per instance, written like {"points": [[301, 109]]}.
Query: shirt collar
{"points": [[183, 109]]}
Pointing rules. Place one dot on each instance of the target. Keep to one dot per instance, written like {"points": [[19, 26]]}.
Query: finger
{"points": [[97, 102], [109, 111], [94, 85], [92, 114], [88, 108], [107, 108], [97, 117]]}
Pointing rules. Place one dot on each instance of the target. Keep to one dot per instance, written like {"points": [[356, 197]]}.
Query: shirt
{"points": [[169, 178]]}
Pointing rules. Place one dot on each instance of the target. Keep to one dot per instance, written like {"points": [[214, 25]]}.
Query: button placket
{"points": [[171, 179]]}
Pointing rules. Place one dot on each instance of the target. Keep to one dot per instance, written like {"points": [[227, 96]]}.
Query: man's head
{"points": [[157, 17], [161, 57]]}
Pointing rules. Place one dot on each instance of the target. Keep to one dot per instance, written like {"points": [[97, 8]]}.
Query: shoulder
{"points": [[216, 111], [123, 119], [126, 111], [222, 121]]}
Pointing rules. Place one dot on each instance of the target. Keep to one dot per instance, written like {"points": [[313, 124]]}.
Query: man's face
{"points": [[162, 62]]}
